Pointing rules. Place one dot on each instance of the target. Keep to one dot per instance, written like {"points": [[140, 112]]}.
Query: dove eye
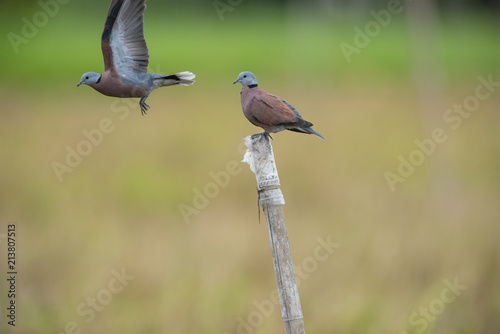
{"points": [[87, 78]]}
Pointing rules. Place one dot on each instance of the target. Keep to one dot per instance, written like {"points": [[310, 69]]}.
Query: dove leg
{"points": [[144, 106], [262, 135]]}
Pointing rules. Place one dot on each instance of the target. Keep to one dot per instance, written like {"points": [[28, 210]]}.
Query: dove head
{"points": [[90, 78], [246, 79]]}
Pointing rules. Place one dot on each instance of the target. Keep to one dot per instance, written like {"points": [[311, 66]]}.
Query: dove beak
{"points": [[237, 80], [79, 84]]}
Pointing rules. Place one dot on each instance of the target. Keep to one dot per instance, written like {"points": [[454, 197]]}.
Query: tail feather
{"points": [[308, 130], [182, 79], [313, 132]]}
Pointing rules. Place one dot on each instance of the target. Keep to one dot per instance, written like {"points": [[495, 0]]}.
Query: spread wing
{"points": [[123, 44]]}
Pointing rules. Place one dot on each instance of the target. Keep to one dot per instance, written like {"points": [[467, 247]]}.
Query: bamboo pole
{"points": [[260, 157]]}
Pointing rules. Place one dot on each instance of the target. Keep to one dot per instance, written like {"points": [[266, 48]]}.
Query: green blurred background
{"points": [[211, 271]]}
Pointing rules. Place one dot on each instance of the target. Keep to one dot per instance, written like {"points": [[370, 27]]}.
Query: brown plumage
{"points": [[268, 111]]}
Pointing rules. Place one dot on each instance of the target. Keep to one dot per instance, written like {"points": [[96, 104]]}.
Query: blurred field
{"points": [[120, 207]]}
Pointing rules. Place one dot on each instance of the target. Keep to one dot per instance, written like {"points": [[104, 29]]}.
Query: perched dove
{"points": [[126, 57], [269, 111]]}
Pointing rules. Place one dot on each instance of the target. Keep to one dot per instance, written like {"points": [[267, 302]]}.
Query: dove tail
{"points": [[311, 131], [182, 79], [308, 130]]}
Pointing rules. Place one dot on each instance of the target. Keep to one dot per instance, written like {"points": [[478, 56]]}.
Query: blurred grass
{"points": [[119, 208], [305, 43]]}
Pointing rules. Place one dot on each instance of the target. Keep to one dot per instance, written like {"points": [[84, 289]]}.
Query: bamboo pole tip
{"points": [[260, 157]]}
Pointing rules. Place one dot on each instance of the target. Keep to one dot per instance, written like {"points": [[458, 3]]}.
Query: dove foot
{"points": [[144, 106], [262, 135]]}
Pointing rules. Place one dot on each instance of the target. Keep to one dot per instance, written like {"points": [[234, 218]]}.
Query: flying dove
{"points": [[126, 57], [268, 111]]}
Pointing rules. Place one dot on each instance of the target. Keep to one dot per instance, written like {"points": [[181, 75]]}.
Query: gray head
{"points": [[90, 78], [246, 78]]}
